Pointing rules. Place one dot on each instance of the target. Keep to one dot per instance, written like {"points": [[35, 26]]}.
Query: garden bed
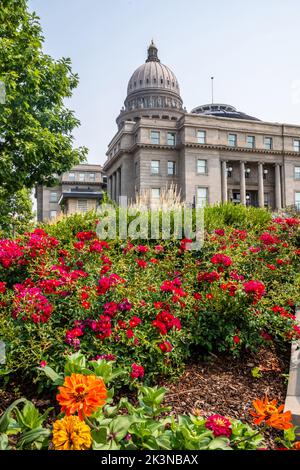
{"points": [[221, 385]]}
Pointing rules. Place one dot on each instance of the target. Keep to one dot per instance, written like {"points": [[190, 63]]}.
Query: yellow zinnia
{"points": [[70, 433]]}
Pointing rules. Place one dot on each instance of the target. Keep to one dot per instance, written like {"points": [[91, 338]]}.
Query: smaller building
{"points": [[78, 190]]}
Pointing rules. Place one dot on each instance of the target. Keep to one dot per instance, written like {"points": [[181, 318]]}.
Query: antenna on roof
{"points": [[212, 89]]}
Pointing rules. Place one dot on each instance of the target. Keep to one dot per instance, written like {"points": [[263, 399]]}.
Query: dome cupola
{"points": [[153, 91]]}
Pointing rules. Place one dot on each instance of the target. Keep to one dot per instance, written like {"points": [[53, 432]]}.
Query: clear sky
{"points": [[251, 47]]}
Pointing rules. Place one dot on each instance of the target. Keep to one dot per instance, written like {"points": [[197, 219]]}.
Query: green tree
{"points": [[36, 139], [16, 213]]}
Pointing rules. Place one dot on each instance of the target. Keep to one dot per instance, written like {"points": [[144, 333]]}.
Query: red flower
{"points": [[221, 259], [2, 287], [220, 232], [268, 239], [236, 339], [137, 371], [256, 288], [208, 276], [129, 334], [165, 347], [82, 236], [219, 425], [78, 245], [43, 364], [86, 305], [110, 308], [141, 263], [134, 322]]}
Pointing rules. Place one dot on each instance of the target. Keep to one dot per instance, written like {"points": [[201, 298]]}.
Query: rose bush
{"points": [[145, 304]]}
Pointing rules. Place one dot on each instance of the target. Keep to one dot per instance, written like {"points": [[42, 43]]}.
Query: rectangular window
{"points": [[250, 141], [92, 177], [296, 145], [202, 197], [171, 168], [201, 137], [232, 140], [268, 143], [155, 137], [297, 172], [171, 138], [53, 214], [266, 199], [202, 167], [82, 205], [81, 177], [297, 201], [155, 196], [155, 167], [71, 176], [53, 197]]}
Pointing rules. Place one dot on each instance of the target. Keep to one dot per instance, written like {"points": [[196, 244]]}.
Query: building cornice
{"points": [[223, 148], [226, 148]]}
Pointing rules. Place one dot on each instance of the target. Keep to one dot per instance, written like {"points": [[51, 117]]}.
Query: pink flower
{"points": [[256, 288], [220, 232], [137, 371], [219, 425], [43, 364], [143, 249]]}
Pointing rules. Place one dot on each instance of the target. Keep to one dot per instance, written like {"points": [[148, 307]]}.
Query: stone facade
{"points": [[78, 190], [212, 154]]}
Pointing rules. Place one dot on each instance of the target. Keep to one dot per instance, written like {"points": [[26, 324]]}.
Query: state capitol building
{"points": [[212, 154]]}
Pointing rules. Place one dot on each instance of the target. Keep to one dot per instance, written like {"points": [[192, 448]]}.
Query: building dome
{"points": [[153, 75], [222, 110], [153, 87]]}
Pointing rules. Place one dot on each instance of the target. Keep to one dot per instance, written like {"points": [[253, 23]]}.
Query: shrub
{"points": [[146, 305]]}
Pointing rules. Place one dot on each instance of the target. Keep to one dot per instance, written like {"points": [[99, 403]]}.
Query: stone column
{"points": [[109, 186], [224, 182], [113, 189], [242, 183], [261, 195], [278, 203], [117, 186]]}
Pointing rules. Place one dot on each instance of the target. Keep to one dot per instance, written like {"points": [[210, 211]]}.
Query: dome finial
{"points": [[152, 53]]}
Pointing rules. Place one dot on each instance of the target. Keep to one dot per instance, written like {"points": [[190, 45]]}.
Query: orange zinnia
{"points": [[82, 394], [267, 410]]}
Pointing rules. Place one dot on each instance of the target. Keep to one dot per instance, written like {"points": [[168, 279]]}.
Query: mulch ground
{"points": [[216, 384], [226, 386]]}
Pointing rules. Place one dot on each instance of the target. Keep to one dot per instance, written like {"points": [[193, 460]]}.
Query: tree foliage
{"points": [[36, 127]]}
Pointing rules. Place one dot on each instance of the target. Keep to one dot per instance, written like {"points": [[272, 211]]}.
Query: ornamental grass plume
{"points": [[267, 411], [82, 394], [70, 433]]}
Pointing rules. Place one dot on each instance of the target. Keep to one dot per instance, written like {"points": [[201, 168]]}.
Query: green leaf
{"points": [[100, 436], [221, 443], [4, 442], [37, 437], [5, 418], [54, 376]]}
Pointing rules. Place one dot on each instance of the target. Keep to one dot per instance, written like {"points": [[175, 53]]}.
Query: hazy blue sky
{"points": [[250, 46]]}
